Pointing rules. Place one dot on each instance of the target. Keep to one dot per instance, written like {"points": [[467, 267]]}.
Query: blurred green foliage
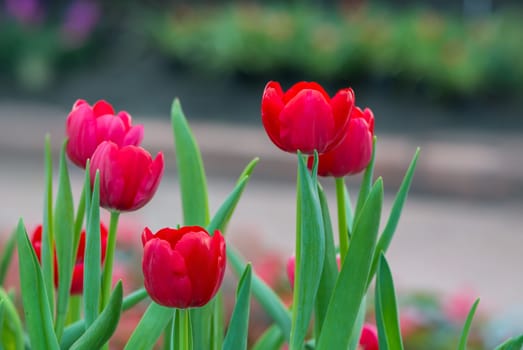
{"points": [[443, 54]]}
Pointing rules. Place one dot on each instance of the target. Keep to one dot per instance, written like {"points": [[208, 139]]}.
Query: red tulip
{"points": [[353, 154], [305, 118], [183, 267], [369, 337], [129, 176], [87, 127], [77, 284]]}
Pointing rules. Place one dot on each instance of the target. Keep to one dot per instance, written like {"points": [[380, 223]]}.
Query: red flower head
{"points": [[305, 118], [88, 126], [129, 176], [353, 154], [183, 267], [77, 284], [369, 337]]}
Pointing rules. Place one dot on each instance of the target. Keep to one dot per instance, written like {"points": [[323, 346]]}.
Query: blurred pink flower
{"points": [[24, 11], [268, 268], [456, 306], [80, 20]]}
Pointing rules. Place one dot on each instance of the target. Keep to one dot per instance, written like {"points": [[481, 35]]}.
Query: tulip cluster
{"points": [[77, 284], [129, 176], [306, 119]]}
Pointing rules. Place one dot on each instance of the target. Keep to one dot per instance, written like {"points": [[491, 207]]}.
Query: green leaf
{"points": [[387, 319], [64, 232], [366, 182], [330, 266], [193, 188], [350, 287], [272, 339], [267, 298], [75, 330], [11, 330], [395, 213], [224, 213], [236, 338], [34, 297], [356, 330], [514, 343], [7, 256], [47, 251], [466, 328], [104, 326], [150, 327], [193, 184], [349, 214], [83, 205], [93, 255], [134, 298], [310, 254]]}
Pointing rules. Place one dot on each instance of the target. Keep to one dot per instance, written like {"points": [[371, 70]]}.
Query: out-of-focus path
{"points": [[462, 226]]}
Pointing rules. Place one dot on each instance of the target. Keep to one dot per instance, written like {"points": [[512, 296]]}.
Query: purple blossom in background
{"points": [[24, 11], [80, 19]]}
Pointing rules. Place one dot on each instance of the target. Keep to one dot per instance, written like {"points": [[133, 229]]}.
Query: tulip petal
{"points": [[166, 276], [304, 85], [307, 122], [102, 107], [271, 108]]}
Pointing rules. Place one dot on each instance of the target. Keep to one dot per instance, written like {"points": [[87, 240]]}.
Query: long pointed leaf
{"points": [[193, 185], [150, 327], [395, 213], [193, 188], [514, 343], [47, 250], [466, 328], [351, 284], [330, 266], [224, 213], [104, 326], [366, 182], [386, 309], [75, 330], [36, 307], [11, 330], [64, 231], [92, 266], [267, 298], [7, 255], [272, 339], [310, 254], [236, 338]]}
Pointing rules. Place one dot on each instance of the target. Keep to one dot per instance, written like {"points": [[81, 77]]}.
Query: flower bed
{"points": [[439, 54]]}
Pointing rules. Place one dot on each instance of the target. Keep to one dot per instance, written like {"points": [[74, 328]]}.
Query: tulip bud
{"points": [[305, 118], [77, 283], [353, 154], [369, 337], [129, 176], [87, 127], [183, 267]]}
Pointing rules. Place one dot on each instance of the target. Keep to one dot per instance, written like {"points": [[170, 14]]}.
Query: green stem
{"points": [[342, 220], [184, 330], [169, 333], [109, 258]]}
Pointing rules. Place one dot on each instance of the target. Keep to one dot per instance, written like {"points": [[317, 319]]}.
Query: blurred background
{"points": [[443, 75]]}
